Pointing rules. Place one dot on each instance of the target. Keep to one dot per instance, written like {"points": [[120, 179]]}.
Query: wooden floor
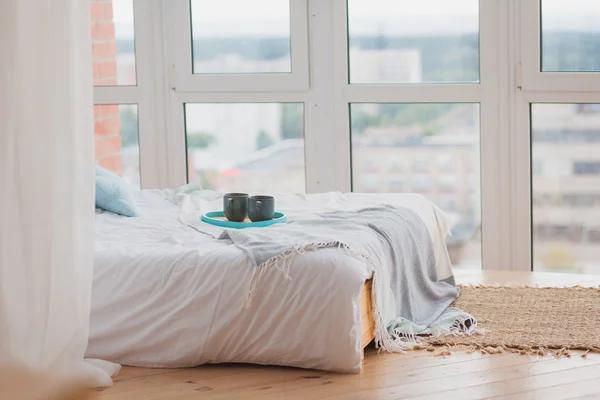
{"points": [[387, 376]]}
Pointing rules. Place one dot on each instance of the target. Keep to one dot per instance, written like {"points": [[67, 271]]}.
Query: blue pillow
{"points": [[114, 194]]}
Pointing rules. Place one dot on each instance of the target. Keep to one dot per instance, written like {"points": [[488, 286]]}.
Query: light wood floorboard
{"points": [[415, 375]]}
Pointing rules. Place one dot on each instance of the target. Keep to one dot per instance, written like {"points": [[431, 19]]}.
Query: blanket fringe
{"points": [[461, 327], [394, 342]]}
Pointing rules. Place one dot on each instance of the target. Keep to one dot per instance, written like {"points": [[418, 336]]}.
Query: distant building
{"points": [[566, 172], [445, 172]]}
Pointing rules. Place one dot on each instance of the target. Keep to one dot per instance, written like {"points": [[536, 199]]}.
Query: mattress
{"points": [[165, 295]]}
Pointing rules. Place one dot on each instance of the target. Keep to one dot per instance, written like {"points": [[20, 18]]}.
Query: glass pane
{"points": [[430, 149], [117, 144], [246, 147], [427, 41], [241, 36], [113, 43], [570, 35], [566, 187]]}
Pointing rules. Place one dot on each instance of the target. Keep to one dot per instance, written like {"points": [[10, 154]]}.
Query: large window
{"points": [[489, 109]]}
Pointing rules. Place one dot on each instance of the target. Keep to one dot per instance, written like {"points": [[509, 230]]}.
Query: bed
{"points": [[167, 296]]}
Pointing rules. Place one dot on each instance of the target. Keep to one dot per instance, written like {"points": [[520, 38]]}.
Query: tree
{"points": [[429, 132], [263, 140], [361, 120], [200, 140], [292, 121]]}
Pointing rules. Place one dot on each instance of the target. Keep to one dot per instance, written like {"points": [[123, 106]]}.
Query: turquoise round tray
{"points": [[218, 218]]}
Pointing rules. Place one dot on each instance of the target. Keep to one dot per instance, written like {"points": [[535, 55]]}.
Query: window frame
{"points": [[533, 79], [532, 86], [510, 80], [180, 40], [494, 183], [148, 94], [327, 106]]}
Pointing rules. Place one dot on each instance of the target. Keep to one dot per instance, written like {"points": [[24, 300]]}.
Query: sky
{"points": [[408, 17]]}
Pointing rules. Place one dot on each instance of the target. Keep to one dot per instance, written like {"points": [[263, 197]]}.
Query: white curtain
{"points": [[46, 186]]}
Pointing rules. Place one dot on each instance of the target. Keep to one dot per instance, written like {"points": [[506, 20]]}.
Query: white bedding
{"points": [[166, 295]]}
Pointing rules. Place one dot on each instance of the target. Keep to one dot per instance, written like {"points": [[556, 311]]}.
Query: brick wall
{"points": [[106, 117]]}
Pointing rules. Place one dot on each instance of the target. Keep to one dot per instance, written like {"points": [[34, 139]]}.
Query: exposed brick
{"points": [[108, 69], [96, 72], [110, 81], [112, 163], [100, 50], [106, 117], [106, 126], [112, 49], [110, 109], [108, 11], [98, 10], [106, 110], [102, 29], [108, 146], [97, 112]]}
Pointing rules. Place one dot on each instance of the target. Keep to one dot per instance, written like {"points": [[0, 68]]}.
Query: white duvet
{"points": [[166, 295]]}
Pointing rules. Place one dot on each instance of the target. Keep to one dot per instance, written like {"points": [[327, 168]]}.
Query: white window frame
{"points": [[510, 80], [533, 77], [495, 182], [327, 99], [179, 15], [532, 86]]}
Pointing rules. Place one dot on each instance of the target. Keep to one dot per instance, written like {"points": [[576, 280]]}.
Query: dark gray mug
{"points": [[235, 206], [261, 208]]}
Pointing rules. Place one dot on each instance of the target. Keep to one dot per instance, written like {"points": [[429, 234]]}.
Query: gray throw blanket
{"points": [[394, 243]]}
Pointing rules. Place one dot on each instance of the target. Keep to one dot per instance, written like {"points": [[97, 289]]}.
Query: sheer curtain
{"points": [[47, 187]]}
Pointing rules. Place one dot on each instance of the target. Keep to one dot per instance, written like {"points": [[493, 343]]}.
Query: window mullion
{"points": [[327, 141], [160, 151]]}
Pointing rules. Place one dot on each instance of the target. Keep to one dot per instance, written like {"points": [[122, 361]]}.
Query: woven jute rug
{"points": [[529, 320]]}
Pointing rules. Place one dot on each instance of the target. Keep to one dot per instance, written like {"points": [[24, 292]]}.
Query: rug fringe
{"points": [[528, 286], [448, 349]]}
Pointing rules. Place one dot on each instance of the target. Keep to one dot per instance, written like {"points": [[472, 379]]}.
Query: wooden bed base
{"points": [[367, 321]]}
